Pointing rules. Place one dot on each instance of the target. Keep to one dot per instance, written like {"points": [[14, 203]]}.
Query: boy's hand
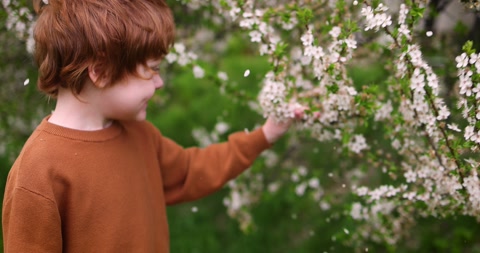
{"points": [[273, 130]]}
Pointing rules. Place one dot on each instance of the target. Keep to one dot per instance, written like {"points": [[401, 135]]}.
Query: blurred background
{"points": [[190, 109]]}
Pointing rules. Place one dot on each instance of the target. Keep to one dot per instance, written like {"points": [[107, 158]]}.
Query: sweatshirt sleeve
{"points": [[30, 223], [192, 173]]}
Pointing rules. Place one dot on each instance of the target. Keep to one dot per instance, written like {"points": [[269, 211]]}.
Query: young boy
{"points": [[95, 176]]}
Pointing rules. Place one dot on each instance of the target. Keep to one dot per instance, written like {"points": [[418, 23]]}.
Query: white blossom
{"points": [[384, 112], [410, 176], [300, 189], [198, 72], [462, 60], [307, 38], [222, 127], [357, 143], [335, 32], [402, 14], [474, 58], [255, 36], [222, 76], [453, 127]]}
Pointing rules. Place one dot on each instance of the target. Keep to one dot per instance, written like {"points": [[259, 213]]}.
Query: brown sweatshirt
{"points": [[106, 191]]}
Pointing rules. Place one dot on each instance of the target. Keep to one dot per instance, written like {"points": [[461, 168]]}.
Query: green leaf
{"points": [[417, 12], [224, 4], [304, 16], [280, 49], [468, 47], [333, 88]]}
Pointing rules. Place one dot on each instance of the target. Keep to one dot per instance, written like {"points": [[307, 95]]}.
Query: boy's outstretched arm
{"points": [[192, 173]]}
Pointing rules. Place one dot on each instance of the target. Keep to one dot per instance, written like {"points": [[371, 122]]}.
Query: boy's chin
{"points": [[141, 116]]}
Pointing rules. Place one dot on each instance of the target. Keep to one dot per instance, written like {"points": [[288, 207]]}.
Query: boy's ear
{"points": [[94, 74]]}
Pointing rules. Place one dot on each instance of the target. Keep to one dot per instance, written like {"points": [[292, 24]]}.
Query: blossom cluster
{"points": [[205, 138], [20, 19], [432, 170], [242, 196], [273, 99], [469, 71], [376, 18]]}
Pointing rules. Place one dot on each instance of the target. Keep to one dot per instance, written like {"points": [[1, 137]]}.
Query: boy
{"points": [[95, 176]]}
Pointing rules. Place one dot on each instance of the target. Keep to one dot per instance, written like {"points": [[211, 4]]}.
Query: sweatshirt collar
{"points": [[92, 136]]}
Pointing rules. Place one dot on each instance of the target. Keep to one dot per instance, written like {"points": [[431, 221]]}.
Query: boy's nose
{"points": [[158, 82]]}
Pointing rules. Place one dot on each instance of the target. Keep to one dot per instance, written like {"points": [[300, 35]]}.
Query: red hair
{"points": [[114, 36]]}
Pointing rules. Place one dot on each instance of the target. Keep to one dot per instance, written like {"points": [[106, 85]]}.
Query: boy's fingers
{"points": [[299, 112]]}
